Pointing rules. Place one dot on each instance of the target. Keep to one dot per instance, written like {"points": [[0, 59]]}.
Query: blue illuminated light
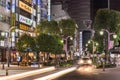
{"points": [[49, 18], [33, 1], [39, 2], [13, 6]]}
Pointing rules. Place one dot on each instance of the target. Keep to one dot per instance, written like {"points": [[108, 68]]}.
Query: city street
{"points": [[108, 74], [66, 74]]}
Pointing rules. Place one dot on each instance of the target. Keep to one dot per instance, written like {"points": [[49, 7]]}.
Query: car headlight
{"points": [[89, 62], [81, 62]]}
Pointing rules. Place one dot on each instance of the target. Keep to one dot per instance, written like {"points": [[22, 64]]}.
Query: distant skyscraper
{"points": [[57, 12]]}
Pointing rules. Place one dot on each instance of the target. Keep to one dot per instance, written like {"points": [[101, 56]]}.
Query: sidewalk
{"points": [[109, 69], [15, 69], [41, 73]]}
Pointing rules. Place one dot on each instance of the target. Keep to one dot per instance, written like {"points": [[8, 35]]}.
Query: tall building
{"points": [[57, 11], [4, 27], [23, 16], [26, 14]]}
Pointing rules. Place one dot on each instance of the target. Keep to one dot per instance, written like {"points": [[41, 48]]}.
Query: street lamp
{"points": [[8, 43], [108, 39], [66, 43], [3, 44], [94, 44]]}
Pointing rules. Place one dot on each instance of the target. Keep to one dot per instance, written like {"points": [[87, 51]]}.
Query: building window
{"points": [[3, 3], [4, 18]]}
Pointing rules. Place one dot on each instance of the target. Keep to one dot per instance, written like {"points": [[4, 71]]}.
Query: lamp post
{"points": [[94, 45], [66, 43], [108, 38], [3, 34], [9, 45]]}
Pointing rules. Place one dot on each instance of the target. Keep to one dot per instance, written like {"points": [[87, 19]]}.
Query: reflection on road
{"points": [[86, 69]]}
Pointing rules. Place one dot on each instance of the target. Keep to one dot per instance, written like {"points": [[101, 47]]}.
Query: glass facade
{"points": [[3, 3], [4, 18]]}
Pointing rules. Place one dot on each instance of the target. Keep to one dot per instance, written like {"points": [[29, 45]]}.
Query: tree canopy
{"points": [[67, 27], [107, 19], [46, 27], [49, 43], [24, 42]]}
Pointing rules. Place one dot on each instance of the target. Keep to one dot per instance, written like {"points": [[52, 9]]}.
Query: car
{"points": [[85, 61], [85, 64]]}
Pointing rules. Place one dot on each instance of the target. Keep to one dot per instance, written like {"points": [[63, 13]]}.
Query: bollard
{"points": [[3, 66], [103, 66], [6, 72]]}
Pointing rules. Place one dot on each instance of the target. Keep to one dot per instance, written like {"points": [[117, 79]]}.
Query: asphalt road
{"points": [[109, 74], [81, 74]]}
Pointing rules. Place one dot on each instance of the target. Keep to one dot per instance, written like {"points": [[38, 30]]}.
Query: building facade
{"points": [[26, 14], [57, 11], [18, 17], [4, 27]]}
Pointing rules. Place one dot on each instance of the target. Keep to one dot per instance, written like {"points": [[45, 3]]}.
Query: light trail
{"points": [[57, 74], [25, 74]]}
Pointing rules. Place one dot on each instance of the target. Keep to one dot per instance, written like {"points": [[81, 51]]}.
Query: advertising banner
{"points": [[25, 7], [25, 20]]}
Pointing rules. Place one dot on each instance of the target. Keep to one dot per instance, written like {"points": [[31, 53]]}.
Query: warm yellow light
{"points": [[101, 32], [97, 44], [114, 36], [61, 41], [89, 41], [71, 38]]}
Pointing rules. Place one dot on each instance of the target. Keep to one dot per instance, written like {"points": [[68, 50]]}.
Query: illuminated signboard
{"points": [[28, 1], [25, 7], [39, 2], [24, 27], [25, 20], [13, 6], [13, 19], [49, 6]]}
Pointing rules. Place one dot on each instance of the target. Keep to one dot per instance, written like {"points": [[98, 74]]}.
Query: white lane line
{"points": [[57, 74], [25, 74]]}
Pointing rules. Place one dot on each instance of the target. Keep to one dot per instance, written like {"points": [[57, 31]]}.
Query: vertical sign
{"points": [[80, 43], [13, 18], [49, 11], [111, 44], [38, 11], [13, 6]]}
